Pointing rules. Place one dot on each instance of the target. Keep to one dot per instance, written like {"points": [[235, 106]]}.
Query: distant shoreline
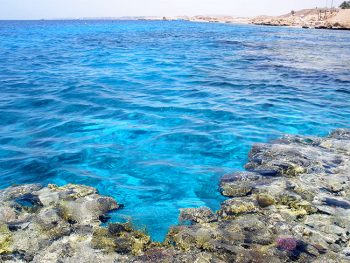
{"points": [[335, 19]]}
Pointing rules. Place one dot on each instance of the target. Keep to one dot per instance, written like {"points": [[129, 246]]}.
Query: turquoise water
{"points": [[154, 113]]}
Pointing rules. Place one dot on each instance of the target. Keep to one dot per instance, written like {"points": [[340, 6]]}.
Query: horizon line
{"points": [[135, 17]]}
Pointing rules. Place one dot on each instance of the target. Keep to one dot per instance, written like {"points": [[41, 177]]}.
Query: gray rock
{"points": [[293, 205], [341, 134], [198, 215], [239, 183]]}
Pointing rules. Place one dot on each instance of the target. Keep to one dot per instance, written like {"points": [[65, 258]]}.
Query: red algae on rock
{"points": [[287, 243]]}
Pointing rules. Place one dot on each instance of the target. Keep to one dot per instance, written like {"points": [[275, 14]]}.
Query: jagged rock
{"points": [[235, 207], [292, 206], [265, 200], [50, 224], [240, 183], [340, 134], [282, 159], [198, 215]]}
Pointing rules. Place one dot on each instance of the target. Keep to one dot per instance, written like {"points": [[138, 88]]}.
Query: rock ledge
{"points": [[292, 204]]}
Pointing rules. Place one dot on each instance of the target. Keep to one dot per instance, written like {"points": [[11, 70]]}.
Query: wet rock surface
{"points": [[291, 205]]}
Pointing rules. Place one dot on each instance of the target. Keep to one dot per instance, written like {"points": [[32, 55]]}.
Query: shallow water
{"points": [[153, 113]]}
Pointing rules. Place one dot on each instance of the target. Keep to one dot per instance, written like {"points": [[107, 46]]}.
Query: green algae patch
{"points": [[295, 171], [238, 209], [304, 193], [265, 200], [120, 238], [303, 207], [140, 242], [128, 239], [177, 238], [204, 238], [286, 199], [5, 240], [235, 190], [103, 241], [64, 212], [53, 233]]}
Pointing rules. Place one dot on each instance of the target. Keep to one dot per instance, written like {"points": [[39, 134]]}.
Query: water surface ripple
{"points": [[153, 113]]}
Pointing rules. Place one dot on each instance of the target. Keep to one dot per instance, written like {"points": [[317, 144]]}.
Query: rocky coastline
{"points": [[291, 204], [323, 18], [337, 19]]}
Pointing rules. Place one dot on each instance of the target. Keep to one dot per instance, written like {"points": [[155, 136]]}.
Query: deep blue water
{"points": [[153, 113]]}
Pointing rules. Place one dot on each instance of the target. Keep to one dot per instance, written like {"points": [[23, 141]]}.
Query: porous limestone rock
{"points": [[293, 205]]}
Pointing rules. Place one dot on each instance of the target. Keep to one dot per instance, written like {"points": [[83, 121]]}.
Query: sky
{"points": [[46, 9]]}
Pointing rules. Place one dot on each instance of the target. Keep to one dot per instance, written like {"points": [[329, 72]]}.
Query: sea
{"points": [[153, 113]]}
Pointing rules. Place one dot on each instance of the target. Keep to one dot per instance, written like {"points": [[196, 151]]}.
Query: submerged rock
{"points": [[239, 184], [197, 215], [293, 205]]}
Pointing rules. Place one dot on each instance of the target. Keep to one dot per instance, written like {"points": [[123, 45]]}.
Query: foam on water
{"points": [[153, 113]]}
